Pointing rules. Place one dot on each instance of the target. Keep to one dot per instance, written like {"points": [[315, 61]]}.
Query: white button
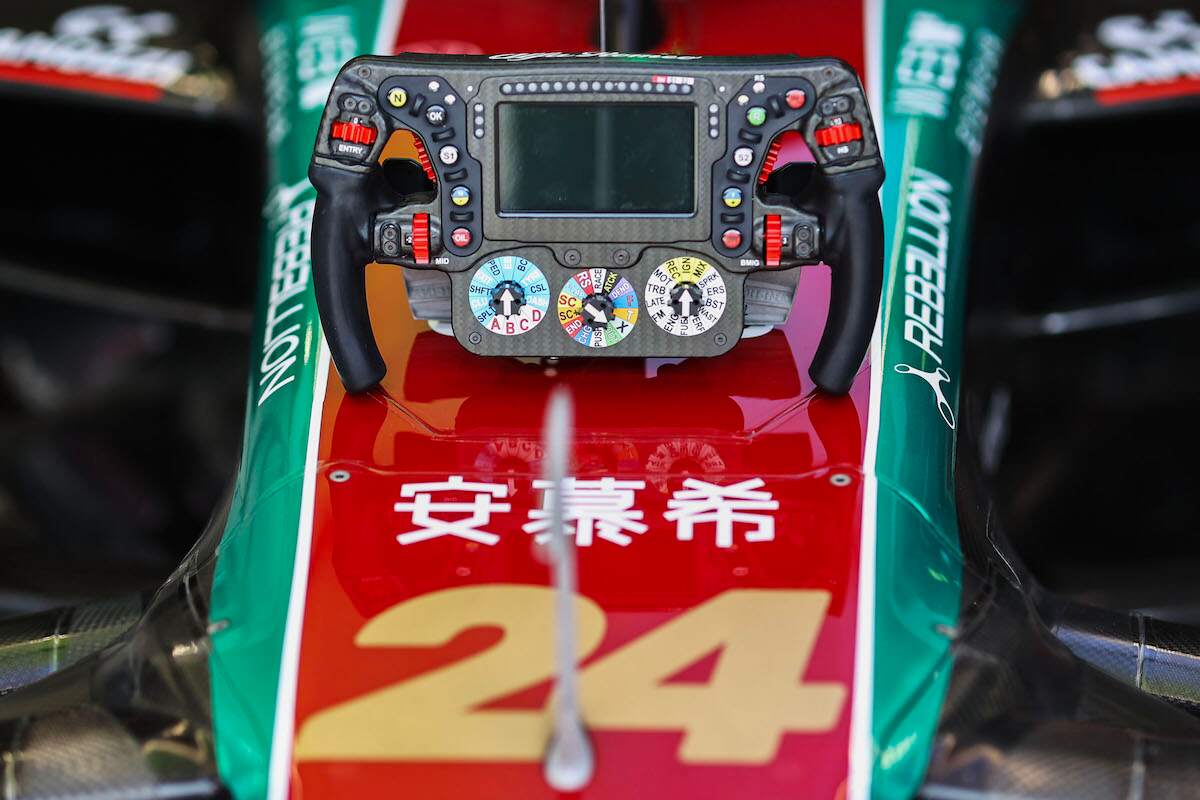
{"points": [[712, 108], [758, 87], [449, 99], [713, 121], [434, 86], [743, 156], [558, 86], [742, 99], [479, 106], [448, 154], [545, 86], [621, 85], [570, 86]]}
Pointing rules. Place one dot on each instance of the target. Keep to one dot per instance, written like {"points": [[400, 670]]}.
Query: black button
{"points": [[775, 104], [456, 175], [839, 104], [443, 134], [733, 219], [418, 103], [738, 176], [462, 216], [435, 115], [749, 136]]}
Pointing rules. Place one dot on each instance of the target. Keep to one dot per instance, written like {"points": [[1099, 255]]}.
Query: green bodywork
{"points": [[935, 96], [304, 43], [930, 161]]}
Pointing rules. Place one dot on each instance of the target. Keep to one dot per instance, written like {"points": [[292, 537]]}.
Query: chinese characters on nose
{"points": [[596, 509]]}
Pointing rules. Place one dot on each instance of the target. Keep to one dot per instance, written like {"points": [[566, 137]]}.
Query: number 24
{"points": [[755, 694]]}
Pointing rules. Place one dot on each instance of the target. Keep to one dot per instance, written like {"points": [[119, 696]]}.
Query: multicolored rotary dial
{"points": [[597, 307], [509, 295], [685, 296]]}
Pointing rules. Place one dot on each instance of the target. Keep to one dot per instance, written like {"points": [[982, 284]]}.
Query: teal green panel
{"points": [[938, 69], [303, 43]]}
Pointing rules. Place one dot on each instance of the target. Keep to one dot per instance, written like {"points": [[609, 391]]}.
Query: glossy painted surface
{"points": [[442, 412]]}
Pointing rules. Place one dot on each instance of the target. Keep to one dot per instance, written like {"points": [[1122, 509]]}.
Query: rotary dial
{"points": [[509, 295], [597, 308], [685, 296]]}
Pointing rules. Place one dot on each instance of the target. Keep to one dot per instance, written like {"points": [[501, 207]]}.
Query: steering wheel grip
{"points": [[854, 224], [341, 249]]}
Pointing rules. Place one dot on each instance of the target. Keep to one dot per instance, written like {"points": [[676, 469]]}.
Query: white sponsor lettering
{"points": [[926, 244], [927, 69], [291, 267], [105, 41], [1142, 51]]}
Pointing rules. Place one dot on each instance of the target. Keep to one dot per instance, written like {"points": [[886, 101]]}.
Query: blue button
{"points": [[460, 195], [732, 197]]}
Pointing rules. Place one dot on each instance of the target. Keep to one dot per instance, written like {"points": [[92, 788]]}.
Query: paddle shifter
{"points": [[597, 204]]}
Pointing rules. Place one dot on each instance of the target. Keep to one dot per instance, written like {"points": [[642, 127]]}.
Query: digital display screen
{"points": [[596, 158]]}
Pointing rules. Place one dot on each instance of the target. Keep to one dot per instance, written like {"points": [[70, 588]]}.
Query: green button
{"points": [[756, 116]]}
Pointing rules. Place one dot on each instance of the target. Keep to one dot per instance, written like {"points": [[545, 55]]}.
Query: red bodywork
{"points": [[752, 413]]}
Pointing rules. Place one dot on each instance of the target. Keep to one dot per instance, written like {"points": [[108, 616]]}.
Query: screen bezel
{"points": [[606, 229], [597, 102]]}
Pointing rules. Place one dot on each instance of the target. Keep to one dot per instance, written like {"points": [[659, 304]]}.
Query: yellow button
{"points": [[398, 97], [460, 195], [732, 197]]}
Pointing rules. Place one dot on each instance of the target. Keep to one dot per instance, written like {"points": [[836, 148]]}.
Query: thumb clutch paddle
{"points": [[602, 206]]}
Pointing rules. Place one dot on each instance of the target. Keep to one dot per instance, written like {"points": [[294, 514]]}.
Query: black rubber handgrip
{"points": [[854, 251], [341, 249]]}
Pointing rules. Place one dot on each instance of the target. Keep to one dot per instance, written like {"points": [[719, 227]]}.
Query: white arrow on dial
{"points": [[685, 303], [596, 314], [507, 300]]}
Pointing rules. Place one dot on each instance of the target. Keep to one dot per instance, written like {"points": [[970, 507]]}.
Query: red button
{"points": [[731, 238], [773, 239], [839, 134], [461, 237], [353, 132], [421, 238], [795, 98]]}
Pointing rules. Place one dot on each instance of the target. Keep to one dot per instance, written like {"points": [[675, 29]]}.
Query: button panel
{"points": [[433, 109], [758, 111]]}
